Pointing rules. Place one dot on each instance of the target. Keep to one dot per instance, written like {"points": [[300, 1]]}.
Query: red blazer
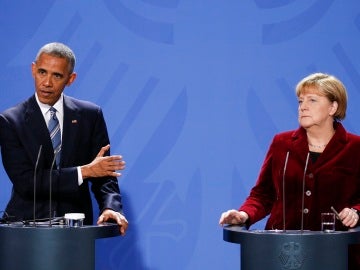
{"points": [[333, 180]]}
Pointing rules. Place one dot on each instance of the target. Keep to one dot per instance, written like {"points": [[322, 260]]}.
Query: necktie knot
{"points": [[52, 112]]}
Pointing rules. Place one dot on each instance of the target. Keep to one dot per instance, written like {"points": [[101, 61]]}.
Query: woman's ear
{"points": [[333, 108]]}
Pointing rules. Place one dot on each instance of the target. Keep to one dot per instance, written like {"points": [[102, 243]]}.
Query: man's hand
{"points": [[109, 214], [103, 165]]}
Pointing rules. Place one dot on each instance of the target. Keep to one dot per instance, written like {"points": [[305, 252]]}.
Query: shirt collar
{"points": [[59, 105]]}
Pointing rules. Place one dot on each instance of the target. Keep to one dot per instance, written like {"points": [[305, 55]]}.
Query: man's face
{"points": [[51, 75]]}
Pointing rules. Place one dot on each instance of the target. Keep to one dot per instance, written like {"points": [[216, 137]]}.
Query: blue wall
{"points": [[192, 91]]}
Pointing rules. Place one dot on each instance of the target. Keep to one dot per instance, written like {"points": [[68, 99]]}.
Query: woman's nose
{"points": [[302, 106]]}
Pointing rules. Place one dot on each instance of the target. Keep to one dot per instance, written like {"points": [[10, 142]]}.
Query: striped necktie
{"points": [[55, 134]]}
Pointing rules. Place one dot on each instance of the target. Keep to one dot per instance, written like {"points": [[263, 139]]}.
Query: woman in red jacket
{"points": [[308, 170]]}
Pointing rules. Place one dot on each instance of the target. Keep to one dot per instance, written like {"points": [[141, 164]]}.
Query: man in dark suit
{"points": [[84, 157]]}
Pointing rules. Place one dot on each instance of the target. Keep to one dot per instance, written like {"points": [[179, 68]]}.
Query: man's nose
{"points": [[47, 81]]}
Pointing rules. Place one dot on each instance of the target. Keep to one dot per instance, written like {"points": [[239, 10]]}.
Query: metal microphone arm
{"points": [[50, 187], [35, 175], [283, 190], [303, 191]]}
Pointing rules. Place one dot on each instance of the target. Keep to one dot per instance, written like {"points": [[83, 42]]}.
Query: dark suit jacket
{"points": [[23, 130], [332, 180]]}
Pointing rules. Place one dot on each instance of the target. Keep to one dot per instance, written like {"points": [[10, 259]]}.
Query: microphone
{"points": [[50, 184], [35, 174], [283, 190], [303, 191]]}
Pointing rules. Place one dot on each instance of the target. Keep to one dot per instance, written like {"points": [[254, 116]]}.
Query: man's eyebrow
{"points": [[58, 74]]}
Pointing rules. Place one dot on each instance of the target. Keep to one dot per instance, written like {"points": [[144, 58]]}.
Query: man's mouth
{"points": [[46, 92]]}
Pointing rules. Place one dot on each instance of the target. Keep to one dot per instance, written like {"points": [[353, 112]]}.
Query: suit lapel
{"points": [[35, 129], [70, 130]]}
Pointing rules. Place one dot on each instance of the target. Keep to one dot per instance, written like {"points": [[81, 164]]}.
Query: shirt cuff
{"points": [[80, 178]]}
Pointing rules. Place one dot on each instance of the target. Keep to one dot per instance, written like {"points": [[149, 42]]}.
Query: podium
{"points": [[55, 247], [276, 250]]}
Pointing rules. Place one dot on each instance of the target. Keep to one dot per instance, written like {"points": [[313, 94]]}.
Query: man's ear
{"points": [[33, 69], [71, 79]]}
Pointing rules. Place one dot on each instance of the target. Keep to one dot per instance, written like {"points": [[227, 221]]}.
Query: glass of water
{"points": [[328, 222]]}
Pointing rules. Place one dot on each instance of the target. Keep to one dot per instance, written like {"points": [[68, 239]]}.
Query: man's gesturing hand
{"points": [[103, 165]]}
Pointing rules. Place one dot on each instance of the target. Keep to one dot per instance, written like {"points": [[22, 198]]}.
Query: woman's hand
{"points": [[233, 217]]}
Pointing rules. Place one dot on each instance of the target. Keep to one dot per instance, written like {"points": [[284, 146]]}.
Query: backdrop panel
{"points": [[192, 91]]}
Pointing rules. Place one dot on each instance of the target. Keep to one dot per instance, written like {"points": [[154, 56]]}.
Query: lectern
{"points": [[276, 250], [55, 247]]}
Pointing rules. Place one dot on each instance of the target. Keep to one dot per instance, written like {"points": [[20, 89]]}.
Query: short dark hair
{"points": [[59, 50]]}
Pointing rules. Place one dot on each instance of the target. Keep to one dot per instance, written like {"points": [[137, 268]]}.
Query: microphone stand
{"points": [[283, 190], [303, 191], [35, 172], [50, 187]]}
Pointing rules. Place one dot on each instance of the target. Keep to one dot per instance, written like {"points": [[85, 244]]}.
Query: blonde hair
{"points": [[328, 86]]}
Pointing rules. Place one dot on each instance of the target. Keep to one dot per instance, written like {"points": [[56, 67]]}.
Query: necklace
{"points": [[317, 146]]}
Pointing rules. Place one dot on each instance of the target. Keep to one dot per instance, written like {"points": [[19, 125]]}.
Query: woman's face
{"points": [[315, 109]]}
